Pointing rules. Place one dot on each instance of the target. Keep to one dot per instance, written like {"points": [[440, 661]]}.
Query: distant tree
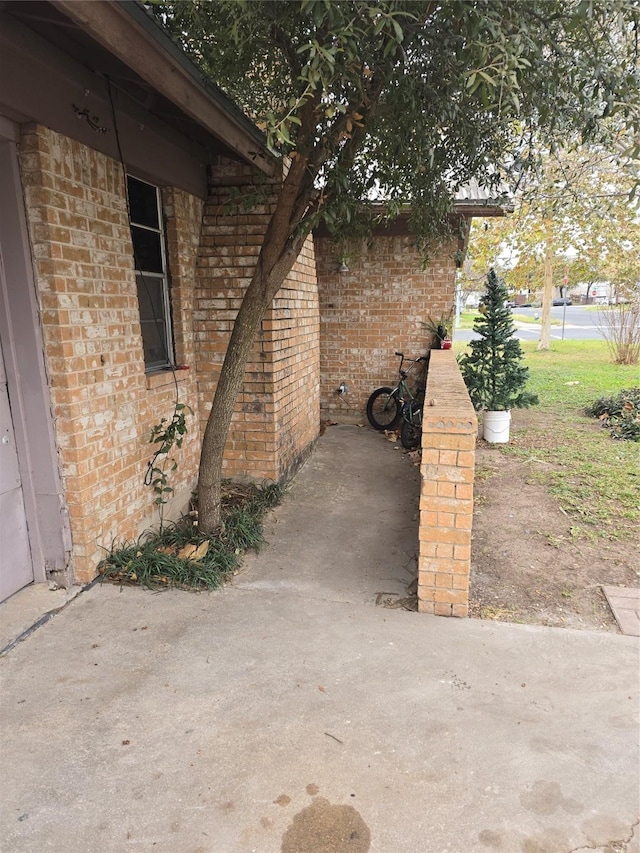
{"points": [[575, 221], [401, 100]]}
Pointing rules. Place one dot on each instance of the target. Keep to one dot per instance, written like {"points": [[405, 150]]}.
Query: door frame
{"points": [[22, 342]]}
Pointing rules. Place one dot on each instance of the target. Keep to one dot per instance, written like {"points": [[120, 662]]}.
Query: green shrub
{"points": [[620, 414], [180, 556]]}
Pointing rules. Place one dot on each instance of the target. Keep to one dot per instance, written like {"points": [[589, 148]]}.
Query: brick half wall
{"points": [[447, 471]]}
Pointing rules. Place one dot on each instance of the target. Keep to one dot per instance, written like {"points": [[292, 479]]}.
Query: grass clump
{"points": [[180, 556], [620, 414]]}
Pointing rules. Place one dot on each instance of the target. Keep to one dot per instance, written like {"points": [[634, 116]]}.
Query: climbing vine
{"points": [[168, 434]]}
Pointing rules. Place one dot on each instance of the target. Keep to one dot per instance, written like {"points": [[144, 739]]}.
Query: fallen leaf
{"points": [[187, 552], [200, 551]]}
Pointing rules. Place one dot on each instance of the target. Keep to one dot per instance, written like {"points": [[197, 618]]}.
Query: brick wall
{"points": [[103, 404], [374, 309], [446, 502], [276, 417], [293, 325]]}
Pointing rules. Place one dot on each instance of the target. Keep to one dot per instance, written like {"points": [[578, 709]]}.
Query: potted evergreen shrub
{"points": [[491, 369]]}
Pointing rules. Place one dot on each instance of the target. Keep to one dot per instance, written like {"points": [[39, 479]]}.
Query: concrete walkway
{"points": [[288, 713], [625, 606]]}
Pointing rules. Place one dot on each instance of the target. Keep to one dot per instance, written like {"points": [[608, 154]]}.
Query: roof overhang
{"points": [[461, 209], [123, 41]]}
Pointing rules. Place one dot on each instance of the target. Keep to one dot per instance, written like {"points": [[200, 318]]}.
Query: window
{"points": [[147, 236]]}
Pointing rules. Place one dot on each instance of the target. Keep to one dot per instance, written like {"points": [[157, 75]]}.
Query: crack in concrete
{"points": [[615, 846], [46, 617]]}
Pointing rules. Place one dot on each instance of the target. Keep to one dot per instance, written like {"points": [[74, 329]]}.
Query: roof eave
{"points": [[482, 209], [127, 30]]}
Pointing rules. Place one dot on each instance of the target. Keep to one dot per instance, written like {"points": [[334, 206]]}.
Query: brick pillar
{"points": [[446, 501]]}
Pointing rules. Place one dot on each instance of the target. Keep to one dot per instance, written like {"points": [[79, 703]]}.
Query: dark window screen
{"points": [[143, 203], [151, 279], [147, 246], [152, 320]]}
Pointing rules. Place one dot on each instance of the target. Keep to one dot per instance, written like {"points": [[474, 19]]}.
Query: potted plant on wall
{"points": [[491, 369], [440, 329]]}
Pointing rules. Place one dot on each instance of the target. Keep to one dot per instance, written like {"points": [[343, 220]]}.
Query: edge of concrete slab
{"points": [[31, 607], [625, 606]]}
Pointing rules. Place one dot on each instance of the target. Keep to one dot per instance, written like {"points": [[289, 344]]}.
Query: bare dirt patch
{"points": [[527, 563]]}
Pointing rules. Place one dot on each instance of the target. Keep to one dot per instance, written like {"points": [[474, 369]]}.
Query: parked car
{"points": [[563, 301]]}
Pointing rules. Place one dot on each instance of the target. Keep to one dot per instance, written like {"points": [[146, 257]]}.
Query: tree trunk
{"points": [[547, 295], [276, 259], [257, 299]]}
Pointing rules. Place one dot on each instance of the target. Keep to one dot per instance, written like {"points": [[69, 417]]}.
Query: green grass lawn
{"points": [[467, 319], [572, 374], [596, 479]]}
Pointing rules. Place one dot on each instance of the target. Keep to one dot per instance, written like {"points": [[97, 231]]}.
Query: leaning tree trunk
{"points": [[275, 261], [257, 299]]}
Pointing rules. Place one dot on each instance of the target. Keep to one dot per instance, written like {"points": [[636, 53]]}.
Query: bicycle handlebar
{"points": [[419, 358]]}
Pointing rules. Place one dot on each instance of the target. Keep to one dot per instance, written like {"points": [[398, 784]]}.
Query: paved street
{"points": [[580, 324]]}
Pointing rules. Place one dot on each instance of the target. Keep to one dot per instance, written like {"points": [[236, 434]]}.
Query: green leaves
{"points": [[444, 92], [179, 556], [167, 434], [491, 369]]}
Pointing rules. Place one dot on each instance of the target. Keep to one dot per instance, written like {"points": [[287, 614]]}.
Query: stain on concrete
{"points": [[603, 826], [545, 798], [624, 721], [282, 800], [312, 789], [552, 840], [542, 745], [491, 839], [324, 827]]}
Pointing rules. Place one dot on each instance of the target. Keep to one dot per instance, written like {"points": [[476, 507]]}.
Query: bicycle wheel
{"points": [[383, 409], [410, 435]]}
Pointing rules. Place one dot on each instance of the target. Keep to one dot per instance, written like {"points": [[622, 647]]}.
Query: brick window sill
{"points": [[160, 378]]}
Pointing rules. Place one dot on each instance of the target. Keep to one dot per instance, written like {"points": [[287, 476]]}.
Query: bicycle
{"points": [[411, 429], [387, 406]]}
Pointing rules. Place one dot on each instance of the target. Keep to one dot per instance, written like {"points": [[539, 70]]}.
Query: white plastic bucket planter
{"points": [[495, 426]]}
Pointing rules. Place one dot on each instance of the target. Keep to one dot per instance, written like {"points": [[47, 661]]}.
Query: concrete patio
{"points": [[288, 712]]}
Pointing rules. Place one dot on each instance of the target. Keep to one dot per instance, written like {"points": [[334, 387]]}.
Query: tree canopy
{"points": [[400, 101], [406, 100], [586, 194]]}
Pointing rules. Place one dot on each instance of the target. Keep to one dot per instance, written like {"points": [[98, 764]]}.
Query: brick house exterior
{"points": [[68, 140], [97, 96]]}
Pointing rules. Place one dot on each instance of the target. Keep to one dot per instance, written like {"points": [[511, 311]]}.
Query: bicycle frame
{"points": [[398, 403], [402, 390]]}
